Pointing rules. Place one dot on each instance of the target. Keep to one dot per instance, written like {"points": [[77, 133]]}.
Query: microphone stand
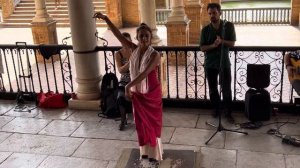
{"points": [[220, 127]]}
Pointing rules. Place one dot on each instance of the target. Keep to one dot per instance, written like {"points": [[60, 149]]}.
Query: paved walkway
{"points": [[247, 35], [65, 138]]}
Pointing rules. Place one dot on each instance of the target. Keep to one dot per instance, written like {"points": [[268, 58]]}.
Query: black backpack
{"points": [[109, 95]]}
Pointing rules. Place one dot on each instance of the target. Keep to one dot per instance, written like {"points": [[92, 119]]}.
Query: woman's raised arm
{"points": [[115, 30]]}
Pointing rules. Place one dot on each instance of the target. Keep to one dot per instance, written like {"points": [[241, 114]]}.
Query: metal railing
{"points": [[242, 15], [184, 71], [26, 70]]}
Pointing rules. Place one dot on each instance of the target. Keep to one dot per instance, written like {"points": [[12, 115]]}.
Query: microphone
{"points": [[224, 22]]}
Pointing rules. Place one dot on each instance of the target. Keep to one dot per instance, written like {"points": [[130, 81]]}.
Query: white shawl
{"points": [[136, 69]]}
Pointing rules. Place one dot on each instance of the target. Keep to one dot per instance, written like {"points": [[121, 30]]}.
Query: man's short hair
{"points": [[214, 5]]}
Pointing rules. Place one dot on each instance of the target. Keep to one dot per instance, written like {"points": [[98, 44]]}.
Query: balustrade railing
{"points": [[183, 70], [257, 15], [242, 15]]}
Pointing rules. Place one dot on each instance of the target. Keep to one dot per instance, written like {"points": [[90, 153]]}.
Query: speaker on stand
{"points": [[257, 99]]}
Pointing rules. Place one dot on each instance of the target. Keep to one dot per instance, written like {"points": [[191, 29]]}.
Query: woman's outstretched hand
{"points": [[99, 15]]}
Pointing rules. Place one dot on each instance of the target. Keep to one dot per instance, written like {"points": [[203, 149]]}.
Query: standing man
{"points": [[216, 39]]}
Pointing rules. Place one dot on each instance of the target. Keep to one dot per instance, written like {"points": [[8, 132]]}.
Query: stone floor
{"points": [[47, 138]]}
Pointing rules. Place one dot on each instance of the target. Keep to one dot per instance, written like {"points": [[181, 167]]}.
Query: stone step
{"points": [[25, 11], [27, 25], [18, 20], [30, 6], [29, 20], [14, 16]]}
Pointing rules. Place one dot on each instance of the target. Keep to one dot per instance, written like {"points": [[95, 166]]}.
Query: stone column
{"points": [[167, 4], [204, 17], [114, 12], [193, 11], [295, 12], [43, 28], [177, 30], [83, 28], [130, 13], [7, 8], [148, 16], [160, 4]]}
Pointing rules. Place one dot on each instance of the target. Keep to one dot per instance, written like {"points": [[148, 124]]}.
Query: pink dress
{"points": [[146, 101]]}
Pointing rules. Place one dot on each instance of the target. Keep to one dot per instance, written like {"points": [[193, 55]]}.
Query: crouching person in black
{"points": [[122, 60]]}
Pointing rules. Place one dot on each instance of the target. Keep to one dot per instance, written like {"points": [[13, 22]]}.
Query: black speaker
{"points": [[258, 75], [258, 105]]}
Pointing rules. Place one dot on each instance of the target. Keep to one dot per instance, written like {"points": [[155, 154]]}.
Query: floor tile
{"points": [[59, 114], [246, 159], [292, 161], [103, 149], [4, 135], [166, 134], [41, 144], [197, 137], [181, 147], [107, 129], [112, 164], [291, 129], [25, 125], [186, 110], [60, 128], [30, 114], [180, 120], [4, 120], [257, 142], [5, 107], [217, 158], [81, 115], [4, 156], [23, 160], [63, 162]]}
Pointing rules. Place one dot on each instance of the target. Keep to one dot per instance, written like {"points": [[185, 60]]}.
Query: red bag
{"points": [[51, 100]]}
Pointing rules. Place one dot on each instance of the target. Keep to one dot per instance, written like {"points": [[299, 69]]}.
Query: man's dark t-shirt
{"points": [[209, 35]]}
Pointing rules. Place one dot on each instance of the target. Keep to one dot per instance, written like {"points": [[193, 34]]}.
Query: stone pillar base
{"points": [[177, 35], [44, 33], [84, 104]]}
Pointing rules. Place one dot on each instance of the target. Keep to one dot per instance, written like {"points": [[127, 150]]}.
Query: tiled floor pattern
{"points": [[71, 138]]}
